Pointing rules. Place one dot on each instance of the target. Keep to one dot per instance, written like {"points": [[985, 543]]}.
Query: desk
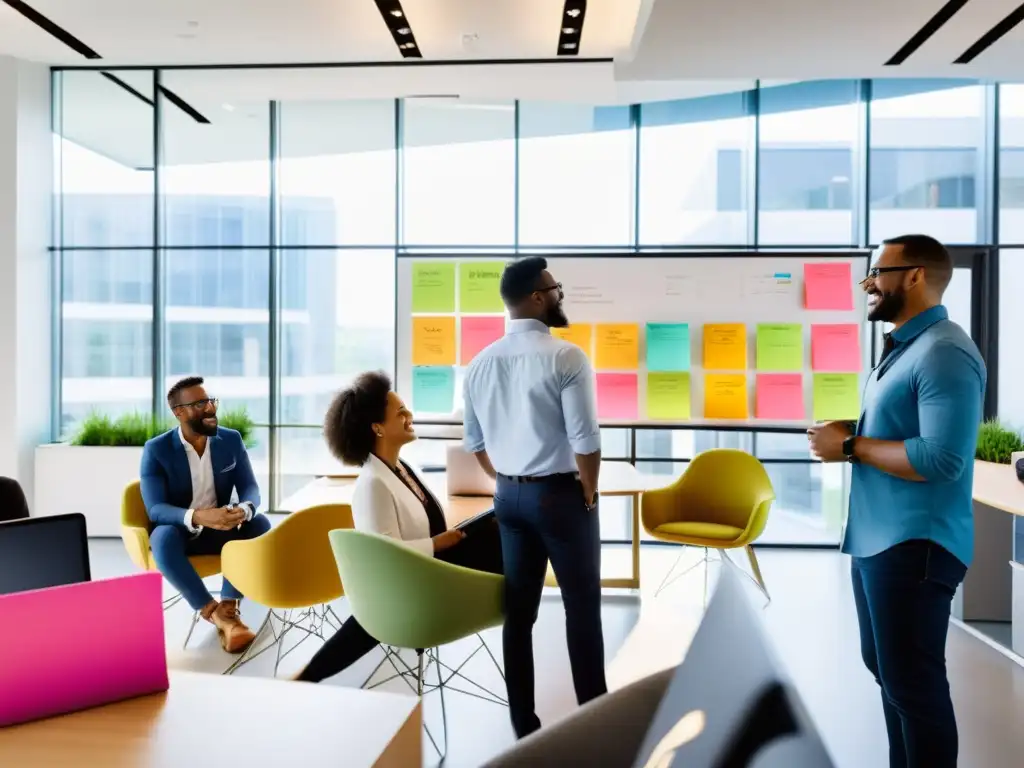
{"points": [[617, 478], [987, 593], [212, 720]]}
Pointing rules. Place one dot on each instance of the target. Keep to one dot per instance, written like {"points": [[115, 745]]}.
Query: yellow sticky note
{"points": [[725, 396], [725, 347], [580, 334], [617, 346], [433, 341], [668, 396]]}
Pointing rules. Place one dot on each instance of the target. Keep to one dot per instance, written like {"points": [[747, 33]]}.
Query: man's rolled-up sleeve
{"points": [[579, 402], [472, 434], [950, 388]]}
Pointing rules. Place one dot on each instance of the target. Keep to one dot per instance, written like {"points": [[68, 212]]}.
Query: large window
{"points": [[458, 172], [924, 159], [696, 171], [576, 168], [805, 173], [268, 226]]}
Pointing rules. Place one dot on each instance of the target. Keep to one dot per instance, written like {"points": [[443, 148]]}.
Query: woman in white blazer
{"points": [[367, 425]]}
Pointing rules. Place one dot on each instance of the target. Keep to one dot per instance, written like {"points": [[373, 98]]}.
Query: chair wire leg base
{"points": [[672, 577], [756, 577]]}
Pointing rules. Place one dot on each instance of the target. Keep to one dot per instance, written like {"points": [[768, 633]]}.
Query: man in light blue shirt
{"points": [[531, 420], [911, 524]]}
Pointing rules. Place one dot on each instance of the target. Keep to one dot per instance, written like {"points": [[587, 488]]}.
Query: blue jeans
{"points": [[903, 597], [539, 521], [172, 545]]}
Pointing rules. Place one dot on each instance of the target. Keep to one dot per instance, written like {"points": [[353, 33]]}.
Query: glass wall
{"points": [[210, 225]]}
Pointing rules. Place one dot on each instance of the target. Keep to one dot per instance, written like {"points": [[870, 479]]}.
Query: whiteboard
{"points": [[697, 289]]}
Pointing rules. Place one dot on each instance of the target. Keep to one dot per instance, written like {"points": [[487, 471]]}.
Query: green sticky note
{"points": [[836, 396], [668, 347], [780, 347], [668, 396], [433, 286], [478, 286], [433, 389]]}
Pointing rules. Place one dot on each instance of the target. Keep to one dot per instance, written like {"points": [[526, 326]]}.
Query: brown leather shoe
{"points": [[235, 637]]}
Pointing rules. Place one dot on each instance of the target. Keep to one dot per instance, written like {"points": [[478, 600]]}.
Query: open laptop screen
{"points": [[40, 552]]}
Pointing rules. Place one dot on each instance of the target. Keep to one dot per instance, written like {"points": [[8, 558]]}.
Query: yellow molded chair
{"points": [[135, 529], [720, 502], [291, 570]]}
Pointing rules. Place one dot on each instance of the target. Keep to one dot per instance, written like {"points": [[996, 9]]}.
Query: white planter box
{"points": [[86, 479]]}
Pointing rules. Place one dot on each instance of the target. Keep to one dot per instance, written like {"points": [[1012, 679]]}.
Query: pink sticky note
{"points": [[780, 396], [828, 285], [477, 333], [836, 348], [617, 396]]}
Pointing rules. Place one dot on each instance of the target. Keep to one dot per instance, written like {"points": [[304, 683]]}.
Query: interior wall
{"points": [[26, 190]]}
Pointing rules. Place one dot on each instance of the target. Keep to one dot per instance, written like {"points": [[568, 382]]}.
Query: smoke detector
{"points": [[470, 40]]}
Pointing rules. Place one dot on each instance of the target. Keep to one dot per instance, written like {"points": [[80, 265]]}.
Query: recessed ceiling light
{"points": [[397, 14], [228, 108], [404, 30], [569, 30], [573, 13], [568, 46]]}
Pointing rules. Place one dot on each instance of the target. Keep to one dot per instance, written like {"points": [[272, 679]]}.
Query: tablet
{"points": [[477, 523]]}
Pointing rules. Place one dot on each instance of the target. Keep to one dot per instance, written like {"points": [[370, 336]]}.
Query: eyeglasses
{"points": [[200, 404], [545, 289], [874, 272]]}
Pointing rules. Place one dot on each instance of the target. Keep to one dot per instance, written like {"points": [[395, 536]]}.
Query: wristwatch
{"points": [[592, 504], [849, 445]]}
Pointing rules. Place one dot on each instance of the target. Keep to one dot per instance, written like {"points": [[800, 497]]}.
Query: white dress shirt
{"points": [[530, 402], [204, 492]]}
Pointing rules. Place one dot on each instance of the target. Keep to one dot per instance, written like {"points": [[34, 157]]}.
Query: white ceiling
{"points": [[649, 39]]}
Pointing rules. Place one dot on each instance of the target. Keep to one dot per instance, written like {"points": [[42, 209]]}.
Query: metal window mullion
{"points": [[158, 331], [57, 259], [861, 183], [274, 305], [515, 176], [635, 124], [753, 169]]}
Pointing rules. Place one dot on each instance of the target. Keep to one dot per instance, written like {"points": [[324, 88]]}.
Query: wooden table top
{"points": [[617, 478], [996, 485], [213, 720]]}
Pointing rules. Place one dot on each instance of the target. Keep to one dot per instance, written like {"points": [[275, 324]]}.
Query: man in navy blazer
{"points": [[190, 475]]}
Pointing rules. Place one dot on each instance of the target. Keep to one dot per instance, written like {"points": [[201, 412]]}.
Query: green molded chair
{"points": [[406, 599]]}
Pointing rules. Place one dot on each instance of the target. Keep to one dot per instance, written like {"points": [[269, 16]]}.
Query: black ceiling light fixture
{"points": [[52, 28], [398, 24], [987, 40], [571, 31]]}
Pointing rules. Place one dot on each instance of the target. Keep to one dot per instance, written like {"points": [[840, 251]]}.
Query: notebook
{"points": [[81, 645]]}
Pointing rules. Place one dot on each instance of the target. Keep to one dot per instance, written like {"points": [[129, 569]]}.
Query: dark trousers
{"points": [[172, 545], [481, 552], [903, 597], [541, 521]]}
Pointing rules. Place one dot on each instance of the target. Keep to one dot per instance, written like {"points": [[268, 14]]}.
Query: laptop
{"points": [[465, 475], [730, 704], [81, 645], [40, 552]]}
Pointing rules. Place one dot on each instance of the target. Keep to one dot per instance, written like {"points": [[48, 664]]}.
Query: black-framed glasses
{"points": [[200, 404], [546, 288], [874, 272]]}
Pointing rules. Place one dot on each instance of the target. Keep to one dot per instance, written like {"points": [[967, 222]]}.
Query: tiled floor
{"points": [[810, 622]]}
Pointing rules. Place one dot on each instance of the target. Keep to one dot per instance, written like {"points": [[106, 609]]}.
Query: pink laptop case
{"points": [[68, 648]]}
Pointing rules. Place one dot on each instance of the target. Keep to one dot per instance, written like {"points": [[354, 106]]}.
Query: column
{"points": [[26, 189]]}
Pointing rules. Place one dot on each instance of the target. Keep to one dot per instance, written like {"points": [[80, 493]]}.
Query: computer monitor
{"points": [[40, 552], [730, 704]]}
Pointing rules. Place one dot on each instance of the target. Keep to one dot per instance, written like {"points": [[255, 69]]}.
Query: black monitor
{"points": [[40, 552], [730, 704]]}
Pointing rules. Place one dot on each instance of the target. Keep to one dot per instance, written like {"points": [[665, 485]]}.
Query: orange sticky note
{"points": [[836, 348], [828, 285], [725, 396], [433, 340], [617, 346], [478, 333], [617, 396], [780, 396], [725, 347], [580, 334]]}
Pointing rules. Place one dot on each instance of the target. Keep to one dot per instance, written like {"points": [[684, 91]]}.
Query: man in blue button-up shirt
{"points": [[911, 528], [531, 419]]}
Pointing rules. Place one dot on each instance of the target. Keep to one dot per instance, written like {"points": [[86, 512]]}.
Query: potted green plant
{"points": [[997, 443], [87, 471]]}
